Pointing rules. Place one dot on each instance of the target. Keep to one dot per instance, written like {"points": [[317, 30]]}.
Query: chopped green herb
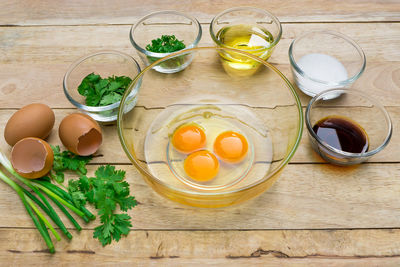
{"points": [[165, 44], [103, 92], [67, 160]]}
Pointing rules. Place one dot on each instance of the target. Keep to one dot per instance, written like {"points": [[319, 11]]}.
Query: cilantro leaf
{"points": [[111, 98], [57, 176], [93, 99], [109, 172], [87, 83], [113, 86], [103, 92], [106, 191], [112, 228], [127, 203]]}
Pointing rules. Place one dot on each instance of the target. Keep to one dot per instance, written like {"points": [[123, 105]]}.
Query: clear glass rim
{"points": [[82, 59], [343, 83], [273, 17], [179, 53], [338, 151], [161, 55]]}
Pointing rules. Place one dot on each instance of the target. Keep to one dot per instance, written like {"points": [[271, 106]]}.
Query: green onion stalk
{"points": [[41, 188], [40, 221]]}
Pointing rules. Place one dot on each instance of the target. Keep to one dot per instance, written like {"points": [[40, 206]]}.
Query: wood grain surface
{"points": [[35, 59], [315, 214], [73, 12], [306, 196], [212, 248]]}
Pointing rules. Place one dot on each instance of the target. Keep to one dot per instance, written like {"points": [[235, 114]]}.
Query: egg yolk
{"points": [[231, 147], [201, 166], [188, 138]]}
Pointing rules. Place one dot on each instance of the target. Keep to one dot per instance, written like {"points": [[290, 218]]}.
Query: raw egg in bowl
{"points": [[212, 135]]}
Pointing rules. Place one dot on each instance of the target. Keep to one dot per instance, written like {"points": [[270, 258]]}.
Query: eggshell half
{"points": [[32, 157], [34, 120], [80, 134]]}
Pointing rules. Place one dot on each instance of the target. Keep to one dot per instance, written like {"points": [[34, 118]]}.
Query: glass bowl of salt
{"points": [[322, 60]]}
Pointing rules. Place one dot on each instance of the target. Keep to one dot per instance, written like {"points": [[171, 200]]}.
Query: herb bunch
{"points": [[105, 191]]}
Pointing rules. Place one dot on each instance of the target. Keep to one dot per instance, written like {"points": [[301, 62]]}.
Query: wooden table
{"points": [[315, 214]]}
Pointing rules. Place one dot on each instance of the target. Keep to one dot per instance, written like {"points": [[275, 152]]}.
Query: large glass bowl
{"points": [[262, 105]]}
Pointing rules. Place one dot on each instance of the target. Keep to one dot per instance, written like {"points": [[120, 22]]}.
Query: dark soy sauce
{"points": [[342, 133]]}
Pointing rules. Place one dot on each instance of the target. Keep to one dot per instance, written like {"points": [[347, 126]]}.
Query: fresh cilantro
{"points": [[67, 160], [106, 191], [165, 44], [110, 99], [103, 92]]}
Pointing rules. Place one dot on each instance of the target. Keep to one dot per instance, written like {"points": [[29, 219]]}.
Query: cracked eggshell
{"points": [[80, 134], [34, 120], [32, 157]]}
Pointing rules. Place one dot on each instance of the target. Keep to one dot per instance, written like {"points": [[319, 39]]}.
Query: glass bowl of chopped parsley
{"points": [[161, 33], [96, 83]]}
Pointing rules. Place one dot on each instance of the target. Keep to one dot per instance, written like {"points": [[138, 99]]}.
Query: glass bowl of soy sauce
{"points": [[347, 127]]}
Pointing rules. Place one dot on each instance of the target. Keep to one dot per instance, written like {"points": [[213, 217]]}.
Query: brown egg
{"points": [[34, 120], [32, 157], [80, 134]]}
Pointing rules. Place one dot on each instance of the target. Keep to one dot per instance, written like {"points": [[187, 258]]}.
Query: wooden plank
{"points": [[64, 44], [306, 196], [22, 84], [111, 150], [195, 248], [35, 59], [127, 12]]}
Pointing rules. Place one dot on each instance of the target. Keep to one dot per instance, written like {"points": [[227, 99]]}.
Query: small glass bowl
{"points": [[169, 22], [105, 64], [322, 60], [245, 28], [359, 108]]}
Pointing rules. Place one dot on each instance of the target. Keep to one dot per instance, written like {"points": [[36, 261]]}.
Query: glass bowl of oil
{"points": [[210, 137], [347, 127], [165, 31], [249, 29]]}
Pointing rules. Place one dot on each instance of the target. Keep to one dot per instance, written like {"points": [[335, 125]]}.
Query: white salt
{"points": [[320, 67]]}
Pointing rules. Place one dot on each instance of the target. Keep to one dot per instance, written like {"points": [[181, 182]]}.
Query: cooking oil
{"points": [[253, 39]]}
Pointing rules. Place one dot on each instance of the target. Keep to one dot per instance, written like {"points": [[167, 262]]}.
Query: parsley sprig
{"points": [[165, 44], [103, 92], [105, 191]]}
